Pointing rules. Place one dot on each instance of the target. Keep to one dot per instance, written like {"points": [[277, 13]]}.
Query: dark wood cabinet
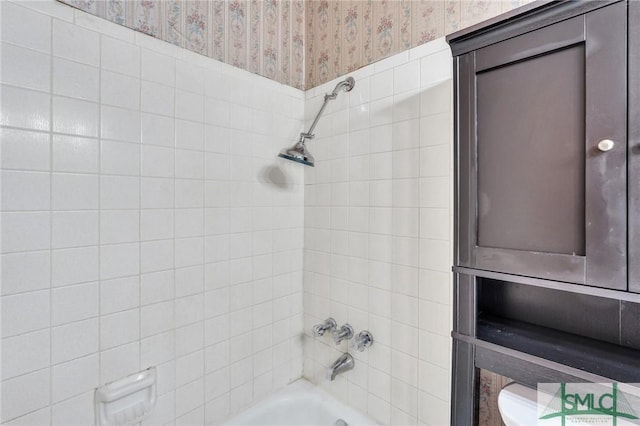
{"points": [[541, 192], [547, 197]]}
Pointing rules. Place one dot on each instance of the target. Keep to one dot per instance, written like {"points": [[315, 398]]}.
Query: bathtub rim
{"points": [[293, 391]]}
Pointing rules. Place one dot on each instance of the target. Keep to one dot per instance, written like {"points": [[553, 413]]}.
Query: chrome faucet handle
{"points": [[328, 325], [363, 340], [344, 332]]}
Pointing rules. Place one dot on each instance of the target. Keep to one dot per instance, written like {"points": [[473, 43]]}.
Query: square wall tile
{"points": [[74, 340], [74, 192], [436, 68], [119, 158], [120, 56], [158, 99], [120, 124], [25, 231], [156, 255], [189, 135], [119, 328], [119, 260], [22, 191], [75, 154], [24, 150], [25, 394], [25, 353], [75, 80], [119, 294], [75, 43], [25, 312], [190, 77], [119, 226], [119, 362], [74, 377], [406, 77], [119, 192], [23, 272], [26, 109], [120, 90], [189, 106], [25, 68], [74, 303], [382, 85], [75, 116], [156, 130], [156, 287], [158, 68], [73, 266], [25, 27], [73, 410]]}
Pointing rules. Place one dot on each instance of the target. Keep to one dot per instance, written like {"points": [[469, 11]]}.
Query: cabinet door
{"points": [[536, 194]]}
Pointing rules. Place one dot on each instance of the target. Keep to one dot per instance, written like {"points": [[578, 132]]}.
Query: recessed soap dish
{"points": [[126, 401]]}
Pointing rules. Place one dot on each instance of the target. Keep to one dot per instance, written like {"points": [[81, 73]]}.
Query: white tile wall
{"points": [[146, 221], [378, 236]]}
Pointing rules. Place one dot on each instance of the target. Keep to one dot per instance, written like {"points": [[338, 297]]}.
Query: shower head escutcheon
{"points": [[299, 152], [346, 85]]}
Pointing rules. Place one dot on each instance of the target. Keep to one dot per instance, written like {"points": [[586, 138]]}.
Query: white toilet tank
{"points": [[517, 405]]}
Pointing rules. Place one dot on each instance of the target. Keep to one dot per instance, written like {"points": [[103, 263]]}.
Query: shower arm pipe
{"points": [[309, 133], [348, 85]]}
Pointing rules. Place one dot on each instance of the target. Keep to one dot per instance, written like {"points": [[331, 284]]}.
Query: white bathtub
{"points": [[300, 404]]}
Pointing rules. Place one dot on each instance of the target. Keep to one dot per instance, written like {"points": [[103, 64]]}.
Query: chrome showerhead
{"points": [[298, 153]]}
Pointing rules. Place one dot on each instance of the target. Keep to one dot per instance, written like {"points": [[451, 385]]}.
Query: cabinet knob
{"points": [[605, 145]]}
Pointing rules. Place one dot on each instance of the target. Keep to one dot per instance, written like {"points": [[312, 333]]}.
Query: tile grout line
{"points": [[419, 234], [140, 365], [203, 233], [174, 63], [100, 237], [51, 34]]}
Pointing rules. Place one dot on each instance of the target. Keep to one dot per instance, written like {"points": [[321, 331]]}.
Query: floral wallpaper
{"points": [[344, 35], [490, 386], [302, 43], [265, 37]]}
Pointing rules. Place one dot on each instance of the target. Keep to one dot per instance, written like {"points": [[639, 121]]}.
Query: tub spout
{"points": [[342, 364]]}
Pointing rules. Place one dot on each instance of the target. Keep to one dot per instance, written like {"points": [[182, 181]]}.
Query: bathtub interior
{"points": [[300, 404]]}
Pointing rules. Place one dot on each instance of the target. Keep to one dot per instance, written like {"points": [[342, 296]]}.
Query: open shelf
{"points": [[594, 356]]}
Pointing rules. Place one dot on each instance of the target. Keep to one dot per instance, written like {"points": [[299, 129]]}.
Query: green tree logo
{"points": [[590, 404]]}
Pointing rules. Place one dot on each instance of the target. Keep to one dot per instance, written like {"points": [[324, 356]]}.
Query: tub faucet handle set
{"points": [[360, 342]]}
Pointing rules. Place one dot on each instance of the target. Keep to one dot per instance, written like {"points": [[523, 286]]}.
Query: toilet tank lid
{"points": [[524, 393], [518, 402]]}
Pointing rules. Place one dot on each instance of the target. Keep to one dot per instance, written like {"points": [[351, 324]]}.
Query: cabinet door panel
{"points": [[537, 196], [530, 160]]}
